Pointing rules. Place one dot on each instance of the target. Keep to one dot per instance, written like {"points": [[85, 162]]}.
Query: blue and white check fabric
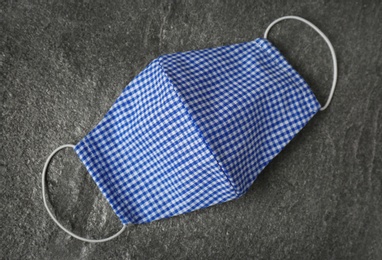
{"points": [[195, 129]]}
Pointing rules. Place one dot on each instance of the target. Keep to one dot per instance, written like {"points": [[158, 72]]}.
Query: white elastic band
{"points": [[53, 217], [327, 42]]}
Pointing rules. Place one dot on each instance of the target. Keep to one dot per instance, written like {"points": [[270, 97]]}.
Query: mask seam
{"points": [[200, 133]]}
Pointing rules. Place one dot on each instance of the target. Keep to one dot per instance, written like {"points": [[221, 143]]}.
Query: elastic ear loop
{"points": [[51, 214], [335, 70]]}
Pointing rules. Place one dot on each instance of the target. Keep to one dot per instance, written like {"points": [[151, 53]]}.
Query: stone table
{"points": [[63, 64]]}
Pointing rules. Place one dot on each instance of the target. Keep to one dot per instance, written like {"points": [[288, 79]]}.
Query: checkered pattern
{"points": [[195, 129]]}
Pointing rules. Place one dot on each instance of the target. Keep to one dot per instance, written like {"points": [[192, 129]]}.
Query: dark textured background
{"points": [[64, 63]]}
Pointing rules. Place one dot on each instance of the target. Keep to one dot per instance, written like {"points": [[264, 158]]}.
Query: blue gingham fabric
{"points": [[195, 129]]}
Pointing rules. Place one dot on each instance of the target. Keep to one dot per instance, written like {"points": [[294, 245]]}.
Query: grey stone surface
{"points": [[63, 63]]}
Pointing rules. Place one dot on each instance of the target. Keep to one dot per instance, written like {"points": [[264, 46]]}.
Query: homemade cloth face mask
{"points": [[194, 129]]}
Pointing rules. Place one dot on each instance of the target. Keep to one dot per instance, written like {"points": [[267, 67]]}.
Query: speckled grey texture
{"points": [[64, 63]]}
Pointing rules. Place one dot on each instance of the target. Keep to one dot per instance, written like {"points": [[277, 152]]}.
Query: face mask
{"points": [[194, 129]]}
